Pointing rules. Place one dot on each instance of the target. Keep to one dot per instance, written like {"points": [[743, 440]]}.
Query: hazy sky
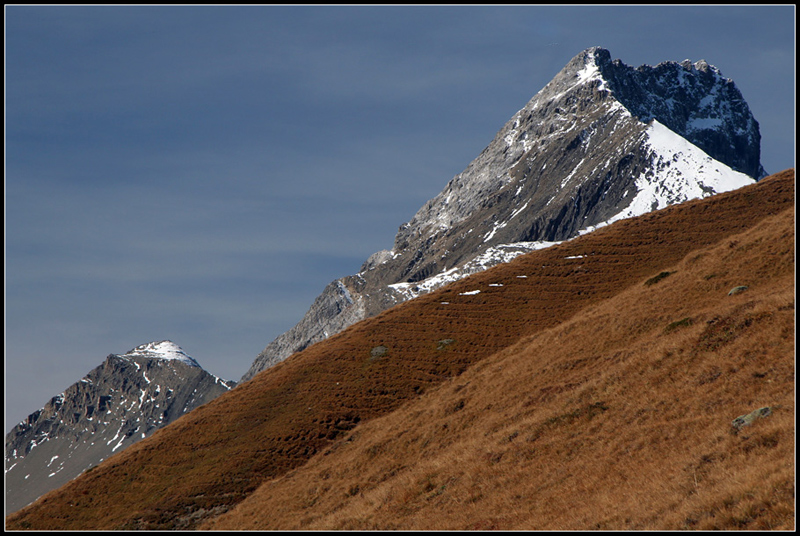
{"points": [[200, 174]]}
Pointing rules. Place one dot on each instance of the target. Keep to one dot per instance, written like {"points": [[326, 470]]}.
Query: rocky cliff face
{"points": [[693, 100], [120, 402], [602, 141]]}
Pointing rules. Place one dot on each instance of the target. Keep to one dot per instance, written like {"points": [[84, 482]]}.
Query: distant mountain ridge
{"points": [[122, 401], [600, 142]]}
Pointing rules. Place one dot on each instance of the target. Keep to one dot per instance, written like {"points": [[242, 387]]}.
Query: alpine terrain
{"points": [[120, 402], [640, 376], [601, 142]]}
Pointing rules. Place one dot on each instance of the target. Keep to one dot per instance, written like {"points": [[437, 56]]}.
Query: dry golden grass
{"points": [[560, 396], [606, 421]]}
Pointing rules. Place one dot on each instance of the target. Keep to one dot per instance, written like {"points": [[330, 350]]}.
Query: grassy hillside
{"points": [[553, 398], [619, 418]]}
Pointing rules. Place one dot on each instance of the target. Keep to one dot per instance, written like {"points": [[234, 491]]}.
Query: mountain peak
{"points": [[161, 350], [126, 398], [601, 141], [596, 54], [589, 60]]}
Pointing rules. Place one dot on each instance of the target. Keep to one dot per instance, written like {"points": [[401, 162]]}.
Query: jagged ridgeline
{"points": [[124, 400], [601, 142]]}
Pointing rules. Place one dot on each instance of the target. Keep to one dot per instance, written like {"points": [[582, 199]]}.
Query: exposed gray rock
{"points": [[602, 141], [332, 311], [746, 420], [125, 399], [378, 352], [444, 343], [737, 290]]}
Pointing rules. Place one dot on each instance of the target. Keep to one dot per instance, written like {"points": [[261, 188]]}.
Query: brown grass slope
{"points": [[216, 456], [618, 418]]}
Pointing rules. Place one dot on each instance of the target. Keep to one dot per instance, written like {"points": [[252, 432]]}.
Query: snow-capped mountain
{"points": [[600, 142], [162, 350], [125, 399]]}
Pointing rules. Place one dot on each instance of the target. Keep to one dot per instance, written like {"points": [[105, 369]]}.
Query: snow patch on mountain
{"points": [[591, 71], [681, 171], [161, 350], [493, 256], [688, 169]]}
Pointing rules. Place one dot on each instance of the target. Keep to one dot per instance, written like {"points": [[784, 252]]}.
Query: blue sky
{"points": [[200, 174]]}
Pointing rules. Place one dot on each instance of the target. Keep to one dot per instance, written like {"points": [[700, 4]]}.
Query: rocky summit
{"points": [[122, 401], [601, 142]]}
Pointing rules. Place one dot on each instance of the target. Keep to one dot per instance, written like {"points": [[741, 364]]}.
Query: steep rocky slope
{"points": [[320, 400], [120, 402], [601, 142]]}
